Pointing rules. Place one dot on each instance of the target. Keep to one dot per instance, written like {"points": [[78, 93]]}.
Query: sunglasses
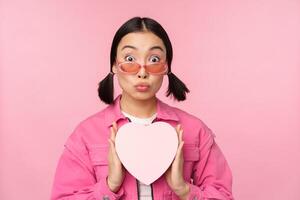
{"points": [[128, 67]]}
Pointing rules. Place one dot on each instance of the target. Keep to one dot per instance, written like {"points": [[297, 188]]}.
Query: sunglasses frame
{"points": [[140, 66]]}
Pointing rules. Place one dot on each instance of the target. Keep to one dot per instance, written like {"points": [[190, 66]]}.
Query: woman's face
{"points": [[143, 48]]}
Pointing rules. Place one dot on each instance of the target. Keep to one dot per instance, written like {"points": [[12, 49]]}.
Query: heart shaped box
{"points": [[146, 151]]}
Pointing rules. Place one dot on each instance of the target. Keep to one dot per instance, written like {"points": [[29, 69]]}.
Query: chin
{"points": [[143, 96]]}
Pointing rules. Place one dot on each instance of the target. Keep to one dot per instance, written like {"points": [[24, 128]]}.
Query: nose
{"points": [[142, 73]]}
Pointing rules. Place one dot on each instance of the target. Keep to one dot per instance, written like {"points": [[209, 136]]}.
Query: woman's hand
{"points": [[174, 174], [116, 171]]}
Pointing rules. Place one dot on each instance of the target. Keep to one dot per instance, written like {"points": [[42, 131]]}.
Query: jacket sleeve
{"points": [[212, 177], [75, 178]]}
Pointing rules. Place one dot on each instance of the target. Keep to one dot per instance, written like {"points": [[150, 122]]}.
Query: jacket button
{"points": [[105, 197]]}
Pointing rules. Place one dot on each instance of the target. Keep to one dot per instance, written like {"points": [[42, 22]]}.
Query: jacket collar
{"points": [[113, 111]]}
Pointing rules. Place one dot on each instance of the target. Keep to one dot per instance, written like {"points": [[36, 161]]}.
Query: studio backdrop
{"points": [[240, 60]]}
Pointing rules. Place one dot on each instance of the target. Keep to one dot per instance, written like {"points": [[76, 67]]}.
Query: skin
{"points": [[143, 105]]}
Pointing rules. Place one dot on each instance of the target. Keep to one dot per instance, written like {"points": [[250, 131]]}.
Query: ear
{"points": [[114, 69]]}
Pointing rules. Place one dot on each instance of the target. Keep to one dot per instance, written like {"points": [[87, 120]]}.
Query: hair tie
{"points": [[111, 73]]}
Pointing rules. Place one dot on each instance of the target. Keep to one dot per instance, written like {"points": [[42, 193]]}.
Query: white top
{"points": [[140, 120], [145, 192]]}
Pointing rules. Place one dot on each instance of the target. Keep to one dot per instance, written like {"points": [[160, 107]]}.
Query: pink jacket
{"points": [[83, 166]]}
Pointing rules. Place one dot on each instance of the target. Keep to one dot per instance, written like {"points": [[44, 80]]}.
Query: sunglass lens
{"points": [[156, 68], [130, 67]]}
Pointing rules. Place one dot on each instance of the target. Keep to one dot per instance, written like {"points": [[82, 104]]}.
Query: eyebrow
{"points": [[132, 47]]}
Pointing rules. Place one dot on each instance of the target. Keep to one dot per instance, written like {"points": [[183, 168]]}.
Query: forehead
{"points": [[143, 41]]}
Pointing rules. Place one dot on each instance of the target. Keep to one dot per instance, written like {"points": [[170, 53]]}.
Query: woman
{"points": [[89, 167]]}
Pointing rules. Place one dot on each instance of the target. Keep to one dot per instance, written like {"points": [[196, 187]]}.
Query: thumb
{"points": [[113, 131]]}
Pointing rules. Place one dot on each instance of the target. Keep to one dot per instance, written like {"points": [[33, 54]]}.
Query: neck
{"points": [[138, 108]]}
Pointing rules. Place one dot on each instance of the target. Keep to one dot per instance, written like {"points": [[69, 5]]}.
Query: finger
{"points": [[180, 152], [181, 135], [115, 126], [180, 146], [178, 127], [177, 131], [177, 152], [111, 144], [112, 133]]}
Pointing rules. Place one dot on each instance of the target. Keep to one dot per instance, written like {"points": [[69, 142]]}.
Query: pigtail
{"points": [[176, 87], [106, 89]]}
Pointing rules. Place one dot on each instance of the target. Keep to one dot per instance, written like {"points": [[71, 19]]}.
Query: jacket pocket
{"points": [[99, 159], [191, 154]]}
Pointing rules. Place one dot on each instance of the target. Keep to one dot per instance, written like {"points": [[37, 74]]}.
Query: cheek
{"points": [[124, 81], [157, 82]]}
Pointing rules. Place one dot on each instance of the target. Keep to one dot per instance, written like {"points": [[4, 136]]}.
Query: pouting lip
{"points": [[142, 85]]}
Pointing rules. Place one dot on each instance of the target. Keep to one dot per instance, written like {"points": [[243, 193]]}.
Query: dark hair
{"points": [[137, 24]]}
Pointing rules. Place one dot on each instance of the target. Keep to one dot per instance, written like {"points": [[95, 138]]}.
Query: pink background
{"points": [[240, 60]]}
